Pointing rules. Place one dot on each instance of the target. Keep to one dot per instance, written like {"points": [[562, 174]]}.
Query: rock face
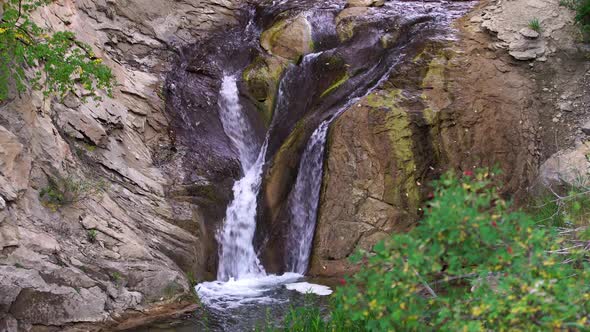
{"points": [[370, 161], [137, 231], [510, 20], [449, 108]]}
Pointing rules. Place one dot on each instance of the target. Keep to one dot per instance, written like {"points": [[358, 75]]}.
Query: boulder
{"points": [[288, 38], [262, 78], [567, 167], [529, 33]]}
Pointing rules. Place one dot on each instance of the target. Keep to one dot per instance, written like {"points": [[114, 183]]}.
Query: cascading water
{"points": [[306, 96], [237, 256], [304, 201]]}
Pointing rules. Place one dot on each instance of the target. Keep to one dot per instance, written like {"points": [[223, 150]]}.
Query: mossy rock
{"points": [[283, 170], [262, 78], [347, 20], [288, 38], [401, 190]]}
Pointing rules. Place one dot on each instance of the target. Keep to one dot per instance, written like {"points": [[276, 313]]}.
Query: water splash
{"points": [[237, 258]]}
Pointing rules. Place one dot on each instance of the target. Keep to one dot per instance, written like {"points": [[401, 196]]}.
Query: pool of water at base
{"points": [[254, 316]]}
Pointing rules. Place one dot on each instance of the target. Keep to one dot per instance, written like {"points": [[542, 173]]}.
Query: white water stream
{"points": [[304, 201], [241, 279], [237, 257]]}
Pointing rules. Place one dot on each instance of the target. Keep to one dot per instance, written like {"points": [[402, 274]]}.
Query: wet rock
{"points": [[289, 38], [262, 78], [348, 20]]}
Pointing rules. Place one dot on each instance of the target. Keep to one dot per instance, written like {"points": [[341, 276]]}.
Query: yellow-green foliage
{"points": [[61, 62], [62, 191], [472, 264]]}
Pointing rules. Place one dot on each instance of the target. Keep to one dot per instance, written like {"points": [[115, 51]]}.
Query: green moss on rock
{"points": [[262, 78], [335, 85], [401, 187]]}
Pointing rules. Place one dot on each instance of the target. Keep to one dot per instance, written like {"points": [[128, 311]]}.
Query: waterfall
{"points": [[304, 201], [237, 258]]}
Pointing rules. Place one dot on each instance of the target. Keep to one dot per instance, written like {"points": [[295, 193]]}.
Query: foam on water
{"points": [[254, 289], [308, 288]]}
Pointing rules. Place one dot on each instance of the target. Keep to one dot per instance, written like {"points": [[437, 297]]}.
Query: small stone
{"points": [[2, 203], [476, 19], [565, 106], [529, 33], [586, 128], [555, 120]]}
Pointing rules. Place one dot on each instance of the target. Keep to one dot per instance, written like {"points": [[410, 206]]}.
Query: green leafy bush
{"points": [[61, 62], [92, 234], [472, 264], [582, 8]]}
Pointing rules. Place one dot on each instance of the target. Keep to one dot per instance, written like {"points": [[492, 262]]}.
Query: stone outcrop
{"points": [[289, 38], [510, 22], [449, 108], [371, 161], [135, 233]]}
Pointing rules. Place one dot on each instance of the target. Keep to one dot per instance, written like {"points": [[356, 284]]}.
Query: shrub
{"points": [[62, 191], [92, 233], [61, 62], [582, 8], [472, 264]]}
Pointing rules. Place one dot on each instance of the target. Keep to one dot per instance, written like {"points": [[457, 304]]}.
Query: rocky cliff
{"points": [[495, 96], [95, 219], [108, 209]]}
